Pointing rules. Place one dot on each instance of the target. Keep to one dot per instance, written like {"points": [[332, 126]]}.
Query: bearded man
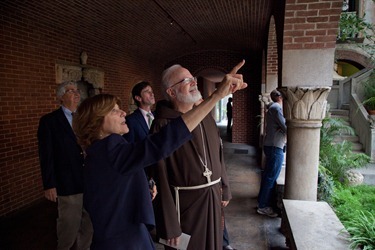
{"points": [[190, 180]]}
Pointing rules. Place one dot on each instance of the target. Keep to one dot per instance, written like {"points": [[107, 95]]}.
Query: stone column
{"points": [[304, 109]]}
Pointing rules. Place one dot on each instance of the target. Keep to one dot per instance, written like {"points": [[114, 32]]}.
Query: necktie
{"points": [[150, 119]]}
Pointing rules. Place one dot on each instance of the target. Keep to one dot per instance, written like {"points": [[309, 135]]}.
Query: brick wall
{"points": [[272, 63], [28, 53], [37, 34], [311, 24]]}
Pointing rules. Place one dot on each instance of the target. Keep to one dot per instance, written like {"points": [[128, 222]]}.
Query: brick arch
{"points": [[353, 55]]}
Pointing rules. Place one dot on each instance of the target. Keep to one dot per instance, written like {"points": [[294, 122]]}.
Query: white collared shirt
{"points": [[144, 113], [68, 114]]}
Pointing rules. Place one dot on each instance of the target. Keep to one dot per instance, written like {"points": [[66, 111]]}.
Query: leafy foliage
{"points": [[352, 26], [349, 201], [338, 157], [355, 207], [363, 230], [326, 184], [369, 92]]}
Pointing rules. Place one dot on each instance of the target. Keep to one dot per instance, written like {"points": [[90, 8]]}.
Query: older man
{"points": [[190, 180], [61, 161]]}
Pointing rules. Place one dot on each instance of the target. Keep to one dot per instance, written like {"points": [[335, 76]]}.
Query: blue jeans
{"points": [[225, 236], [274, 162]]}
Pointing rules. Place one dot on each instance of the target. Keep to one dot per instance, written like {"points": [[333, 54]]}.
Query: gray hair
{"points": [[166, 78], [60, 90]]}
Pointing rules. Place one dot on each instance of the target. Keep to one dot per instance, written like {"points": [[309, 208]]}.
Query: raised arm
{"points": [[230, 84]]}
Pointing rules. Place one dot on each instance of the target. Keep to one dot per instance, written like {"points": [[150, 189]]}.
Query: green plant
{"points": [[362, 231], [355, 208], [369, 92], [326, 185], [353, 26], [338, 157], [349, 201]]}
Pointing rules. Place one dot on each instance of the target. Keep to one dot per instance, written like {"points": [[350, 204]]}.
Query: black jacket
{"points": [[61, 158]]}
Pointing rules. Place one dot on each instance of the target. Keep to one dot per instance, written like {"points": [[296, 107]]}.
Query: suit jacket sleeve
{"points": [[130, 136], [46, 153]]}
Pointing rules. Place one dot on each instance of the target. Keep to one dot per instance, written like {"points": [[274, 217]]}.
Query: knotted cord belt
{"points": [[176, 191]]}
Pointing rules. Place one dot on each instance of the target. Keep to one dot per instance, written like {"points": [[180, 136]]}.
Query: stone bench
{"points": [[312, 225]]}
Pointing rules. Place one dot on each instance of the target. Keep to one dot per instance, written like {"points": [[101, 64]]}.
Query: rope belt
{"points": [[176, 191]]}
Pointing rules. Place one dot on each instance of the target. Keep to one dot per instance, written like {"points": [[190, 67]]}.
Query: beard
{"points": [[190, 97]]}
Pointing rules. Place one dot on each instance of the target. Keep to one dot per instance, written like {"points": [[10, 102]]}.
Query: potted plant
{"points": [[369, 94], [352, 27]]}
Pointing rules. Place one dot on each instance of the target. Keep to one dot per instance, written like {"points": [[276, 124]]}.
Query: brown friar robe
{"points": [[200, 209]]}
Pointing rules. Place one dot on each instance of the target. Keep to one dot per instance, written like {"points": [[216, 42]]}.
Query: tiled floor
{"points": [[34, 228]]}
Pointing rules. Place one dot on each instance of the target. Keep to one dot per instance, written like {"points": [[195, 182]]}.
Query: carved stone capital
{"points": [[305, 103]]}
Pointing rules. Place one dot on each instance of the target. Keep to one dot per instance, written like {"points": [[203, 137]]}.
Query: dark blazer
{"points": [[116, 194], [61, 158], [138, 128]]}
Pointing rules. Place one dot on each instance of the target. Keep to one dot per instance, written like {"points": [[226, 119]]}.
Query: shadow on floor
{"points": [[32, 228]]}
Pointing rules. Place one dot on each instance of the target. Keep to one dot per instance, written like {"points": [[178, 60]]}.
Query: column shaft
{"points": [[304, 109]]}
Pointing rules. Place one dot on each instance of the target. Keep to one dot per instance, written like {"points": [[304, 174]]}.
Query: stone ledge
{"points": [[312, 225]]}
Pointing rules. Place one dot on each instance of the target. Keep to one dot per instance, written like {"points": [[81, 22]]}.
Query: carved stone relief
{"points": [[94, 76], [66, 71]]}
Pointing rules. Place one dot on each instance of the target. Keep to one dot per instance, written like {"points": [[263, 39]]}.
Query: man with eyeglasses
{"points": [[190, 180], [61, 161]]}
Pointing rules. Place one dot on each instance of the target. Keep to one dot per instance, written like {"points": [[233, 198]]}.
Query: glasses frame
{"points": [[73, 91], [186, 80]]}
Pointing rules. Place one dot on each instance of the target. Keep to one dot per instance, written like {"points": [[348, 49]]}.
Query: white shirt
{"points": [[68, 114], [144, 113]]}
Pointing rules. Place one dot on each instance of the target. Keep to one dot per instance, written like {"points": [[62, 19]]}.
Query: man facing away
{"points": [[139, 122], [190, 180], [61, 161], [273, 146]]}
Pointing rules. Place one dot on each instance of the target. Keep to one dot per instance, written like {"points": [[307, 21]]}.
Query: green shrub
{"points": [[362, 231], [369, 92], [325, 185], [355, 207], [338, 157]]}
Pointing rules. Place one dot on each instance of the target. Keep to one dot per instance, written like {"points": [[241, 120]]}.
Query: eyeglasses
{"points": [[184, 81], [73, 91]]}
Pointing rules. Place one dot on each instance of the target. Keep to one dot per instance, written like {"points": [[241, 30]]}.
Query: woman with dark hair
{"points": [[116, 193]]}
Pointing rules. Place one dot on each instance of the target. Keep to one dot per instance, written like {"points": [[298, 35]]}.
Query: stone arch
{"points": [[354, 55]]}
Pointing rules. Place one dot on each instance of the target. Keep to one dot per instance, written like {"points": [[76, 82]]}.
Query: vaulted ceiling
{"points": [[169, 28]]}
